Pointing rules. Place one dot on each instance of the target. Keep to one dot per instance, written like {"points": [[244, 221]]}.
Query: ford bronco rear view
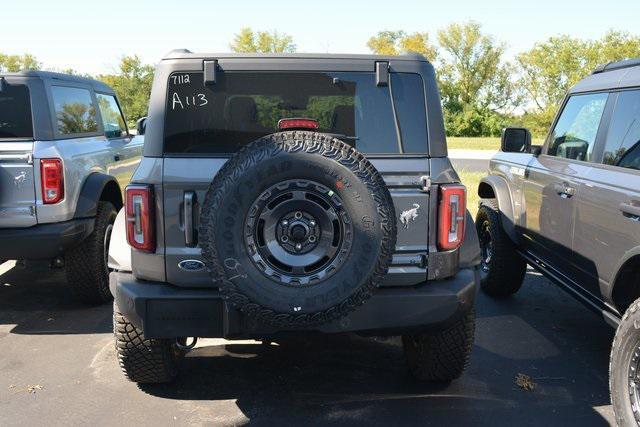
{"points": [[281, 195]]}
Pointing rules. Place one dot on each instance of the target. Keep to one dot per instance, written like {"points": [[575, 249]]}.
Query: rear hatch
{"points": [[17, 187], [205, 125]]}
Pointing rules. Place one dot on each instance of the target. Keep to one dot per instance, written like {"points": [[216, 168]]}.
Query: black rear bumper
{"points": [[165, 311], [43, 241]]}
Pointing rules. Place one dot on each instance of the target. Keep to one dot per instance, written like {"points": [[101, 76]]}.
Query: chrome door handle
{"points": [[564, 190], [630, 211]]}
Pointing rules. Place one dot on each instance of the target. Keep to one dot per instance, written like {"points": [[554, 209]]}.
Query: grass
{"points": [[471, 180], [479, 143]]}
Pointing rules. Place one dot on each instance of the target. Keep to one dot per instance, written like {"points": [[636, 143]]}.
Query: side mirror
{"points": [[141, 125], [516, 140]]}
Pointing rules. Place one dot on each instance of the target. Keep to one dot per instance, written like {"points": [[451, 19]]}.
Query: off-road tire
{"points": [[441, 356], [86, 272], [507, 268], [625, 352], [297, 155], [142, 360]]}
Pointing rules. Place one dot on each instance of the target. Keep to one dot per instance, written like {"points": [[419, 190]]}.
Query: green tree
{"points": [[14, 63], [398, 42], [472, 71], [550, 68], [262, 42], [132, 84], [475, 83]]}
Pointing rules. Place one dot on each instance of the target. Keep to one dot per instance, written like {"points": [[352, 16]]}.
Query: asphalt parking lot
{"points": [[58, 367]]}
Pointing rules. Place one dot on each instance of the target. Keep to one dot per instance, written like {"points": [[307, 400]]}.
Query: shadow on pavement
{"points": [[36, 300], [541, 332]]}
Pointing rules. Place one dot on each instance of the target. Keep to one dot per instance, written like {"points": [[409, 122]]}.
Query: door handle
{"points": [[189, 235], [630, 211], [116, 157], [565, 190]]}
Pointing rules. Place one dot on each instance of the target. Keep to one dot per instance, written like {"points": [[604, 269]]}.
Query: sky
{"points": [[91, 36]]}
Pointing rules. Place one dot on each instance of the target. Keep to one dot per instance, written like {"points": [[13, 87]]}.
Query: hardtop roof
{"points": [[608, 80], [50, 75], [186, 54]]}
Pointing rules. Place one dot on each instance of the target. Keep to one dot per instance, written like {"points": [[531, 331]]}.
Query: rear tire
{"points": [[444, 355], [502, 268], [142, 360], [86, 264], [624, 379]]}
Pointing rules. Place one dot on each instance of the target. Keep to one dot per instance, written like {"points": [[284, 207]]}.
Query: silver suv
{"points": [[65, 157], [291, 194], [571, 209]]}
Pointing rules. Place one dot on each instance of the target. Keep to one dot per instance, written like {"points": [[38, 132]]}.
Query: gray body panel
{"points": [[584, 238], [21, 202]]}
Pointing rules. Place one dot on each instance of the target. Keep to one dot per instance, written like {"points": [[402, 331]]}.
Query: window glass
{"points": [[241, 107], [623, 141], [75, 112], [408, 96], [112, 121], [15, 112], [576, 130]]}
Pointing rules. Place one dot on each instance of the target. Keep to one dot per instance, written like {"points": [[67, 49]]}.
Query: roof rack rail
{"points": [[610, 66]]}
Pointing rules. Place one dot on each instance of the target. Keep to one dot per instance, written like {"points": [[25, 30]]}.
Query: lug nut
{"points": [[284, 239], [285, 222], [312, 239], [298, 215], [298, 246], [312, 223]]}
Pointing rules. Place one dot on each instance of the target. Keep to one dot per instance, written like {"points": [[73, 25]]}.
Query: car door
{"points": [[125, 154], [552, 182], [608, 209]]}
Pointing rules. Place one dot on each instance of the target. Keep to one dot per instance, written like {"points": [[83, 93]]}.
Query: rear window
{"points": [[15, 112], [75, 110], [243, 106]]}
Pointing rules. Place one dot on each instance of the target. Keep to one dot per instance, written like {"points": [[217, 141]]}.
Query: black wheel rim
{"points": [[634, 382], [297, 232], [486, 246]]}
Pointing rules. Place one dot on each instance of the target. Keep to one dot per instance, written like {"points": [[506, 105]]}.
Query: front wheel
{"points": [[503, 269], [441, 356], [624, 368]]}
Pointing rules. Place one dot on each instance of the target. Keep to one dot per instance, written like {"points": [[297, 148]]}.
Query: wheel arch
{"points": [[495, 187], [98, 187], [626, 285]]}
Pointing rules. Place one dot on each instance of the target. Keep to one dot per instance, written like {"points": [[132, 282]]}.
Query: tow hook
{"points": [[185, 346]]}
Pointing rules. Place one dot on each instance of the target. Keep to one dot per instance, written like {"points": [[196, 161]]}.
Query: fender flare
{"points": [[90, 194], [502, 194]]}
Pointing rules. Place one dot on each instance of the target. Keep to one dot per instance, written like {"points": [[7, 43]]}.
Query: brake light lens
{"points": [[306, 124], [451, 216], [140, 219], [52, 180]]}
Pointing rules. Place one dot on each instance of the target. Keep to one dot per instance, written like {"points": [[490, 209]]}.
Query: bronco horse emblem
{"points": [[409, 215]]}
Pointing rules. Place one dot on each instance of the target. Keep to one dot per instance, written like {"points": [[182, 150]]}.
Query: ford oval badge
{"points": [[191, 265]]}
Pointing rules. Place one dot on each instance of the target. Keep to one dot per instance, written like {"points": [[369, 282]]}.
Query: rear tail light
{"points": [[451, 216], [52, 179], [140, 219], [292, 124]]}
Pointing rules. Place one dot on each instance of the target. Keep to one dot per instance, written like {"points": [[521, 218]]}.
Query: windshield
{"points": [[15, 112], [243, 106]]}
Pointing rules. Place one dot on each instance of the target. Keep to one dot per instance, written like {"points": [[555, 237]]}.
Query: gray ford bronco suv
{"points": [[571, 209], [65, 158], [280, 194]]}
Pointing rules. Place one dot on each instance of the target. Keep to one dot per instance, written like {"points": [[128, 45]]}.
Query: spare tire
{"points": [[297, 229]]}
